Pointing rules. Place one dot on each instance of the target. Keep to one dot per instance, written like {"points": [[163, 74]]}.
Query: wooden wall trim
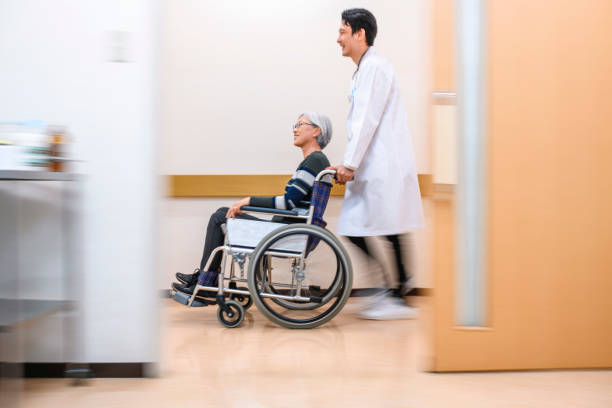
{"points": [[241, 185]]}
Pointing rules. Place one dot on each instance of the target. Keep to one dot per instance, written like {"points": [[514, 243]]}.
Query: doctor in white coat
{"points": [[382, 192]]}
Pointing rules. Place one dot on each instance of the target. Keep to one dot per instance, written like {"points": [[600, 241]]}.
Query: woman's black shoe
{"points": [[188, 279], [188, 290]]}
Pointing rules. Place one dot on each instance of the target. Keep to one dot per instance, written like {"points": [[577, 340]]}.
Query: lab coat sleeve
{"points": [[371, 97]]}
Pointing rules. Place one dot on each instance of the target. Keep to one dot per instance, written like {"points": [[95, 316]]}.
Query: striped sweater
{"points": [[299, 188]]}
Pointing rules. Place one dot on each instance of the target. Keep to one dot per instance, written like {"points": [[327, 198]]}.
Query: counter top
{"points": [[37, 175]]}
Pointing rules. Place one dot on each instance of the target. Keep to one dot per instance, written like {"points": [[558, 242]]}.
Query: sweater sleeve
{"points": [[265, 202], [299, 187]]}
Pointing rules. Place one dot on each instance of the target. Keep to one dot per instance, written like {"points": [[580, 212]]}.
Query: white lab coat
{"points": [[384, 197]]}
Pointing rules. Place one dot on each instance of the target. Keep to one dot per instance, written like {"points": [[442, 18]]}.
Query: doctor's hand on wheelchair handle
{"points": [[236, 207], [343, 174]]}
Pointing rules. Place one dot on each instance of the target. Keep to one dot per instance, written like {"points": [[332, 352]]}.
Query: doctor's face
{"points": [[347, 40], [304, 132]]}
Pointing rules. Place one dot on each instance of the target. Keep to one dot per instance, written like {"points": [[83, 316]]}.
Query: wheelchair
{"points": [[298, 275]]}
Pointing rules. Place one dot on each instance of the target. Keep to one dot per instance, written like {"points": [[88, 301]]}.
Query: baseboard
{"points": [[94, 370], [362, 292], [359, 292]]}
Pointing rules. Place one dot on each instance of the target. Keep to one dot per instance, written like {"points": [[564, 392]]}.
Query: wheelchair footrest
{"points": [[316, 299], [183, 299]]}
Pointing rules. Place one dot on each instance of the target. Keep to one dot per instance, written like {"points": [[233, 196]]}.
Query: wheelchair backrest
{"points": [[320, 196]]}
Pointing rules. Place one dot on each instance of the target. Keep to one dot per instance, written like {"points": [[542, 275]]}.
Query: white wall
{"points": [[236, 74], [234, 77], [55, 65], [183, 226]]}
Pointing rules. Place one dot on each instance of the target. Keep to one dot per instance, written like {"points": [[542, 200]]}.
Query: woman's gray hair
{"points": [[323, 123]]}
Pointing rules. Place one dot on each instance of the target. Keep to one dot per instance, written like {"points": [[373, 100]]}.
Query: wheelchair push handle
{"points": [[324, 173]]}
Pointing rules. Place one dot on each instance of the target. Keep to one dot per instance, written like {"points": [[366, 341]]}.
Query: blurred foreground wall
{"points": [[90, 66]]}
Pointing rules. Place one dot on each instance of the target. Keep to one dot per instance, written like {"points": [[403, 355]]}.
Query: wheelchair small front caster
{"points": [[233, 317], [245, 300]]}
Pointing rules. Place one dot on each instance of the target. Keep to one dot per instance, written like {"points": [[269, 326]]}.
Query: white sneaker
{"points": [[372, 301], [389, 309]]}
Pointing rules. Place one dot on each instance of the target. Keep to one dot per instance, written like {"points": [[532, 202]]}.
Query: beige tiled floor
{"points": [[348, 362]]}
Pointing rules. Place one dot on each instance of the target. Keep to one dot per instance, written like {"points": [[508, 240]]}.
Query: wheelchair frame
{"points": [[295, 300]]}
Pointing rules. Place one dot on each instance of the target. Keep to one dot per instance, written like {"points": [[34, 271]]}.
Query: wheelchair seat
{"points": [[248, 233]]}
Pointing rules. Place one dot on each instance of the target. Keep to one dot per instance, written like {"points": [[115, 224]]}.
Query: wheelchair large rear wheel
{"points": [[326, 294], [275, 290]]}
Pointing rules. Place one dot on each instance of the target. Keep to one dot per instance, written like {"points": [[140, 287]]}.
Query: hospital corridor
{"points": [[287, 203]]}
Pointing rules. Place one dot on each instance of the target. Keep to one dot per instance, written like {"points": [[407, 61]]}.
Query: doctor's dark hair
{"points": [[359, 18]]}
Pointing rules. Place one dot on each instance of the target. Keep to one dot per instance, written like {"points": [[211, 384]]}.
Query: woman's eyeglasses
{"points": [[299, 124]]}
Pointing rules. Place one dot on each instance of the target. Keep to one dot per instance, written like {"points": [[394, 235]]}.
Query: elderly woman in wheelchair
{"points": [[298, 273]]}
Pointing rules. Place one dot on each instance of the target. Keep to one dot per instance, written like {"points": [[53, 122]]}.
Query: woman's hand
{"points": [[235, 208]]}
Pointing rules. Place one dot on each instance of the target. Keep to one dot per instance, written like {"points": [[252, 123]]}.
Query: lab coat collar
{"points": [[369, 51]]}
